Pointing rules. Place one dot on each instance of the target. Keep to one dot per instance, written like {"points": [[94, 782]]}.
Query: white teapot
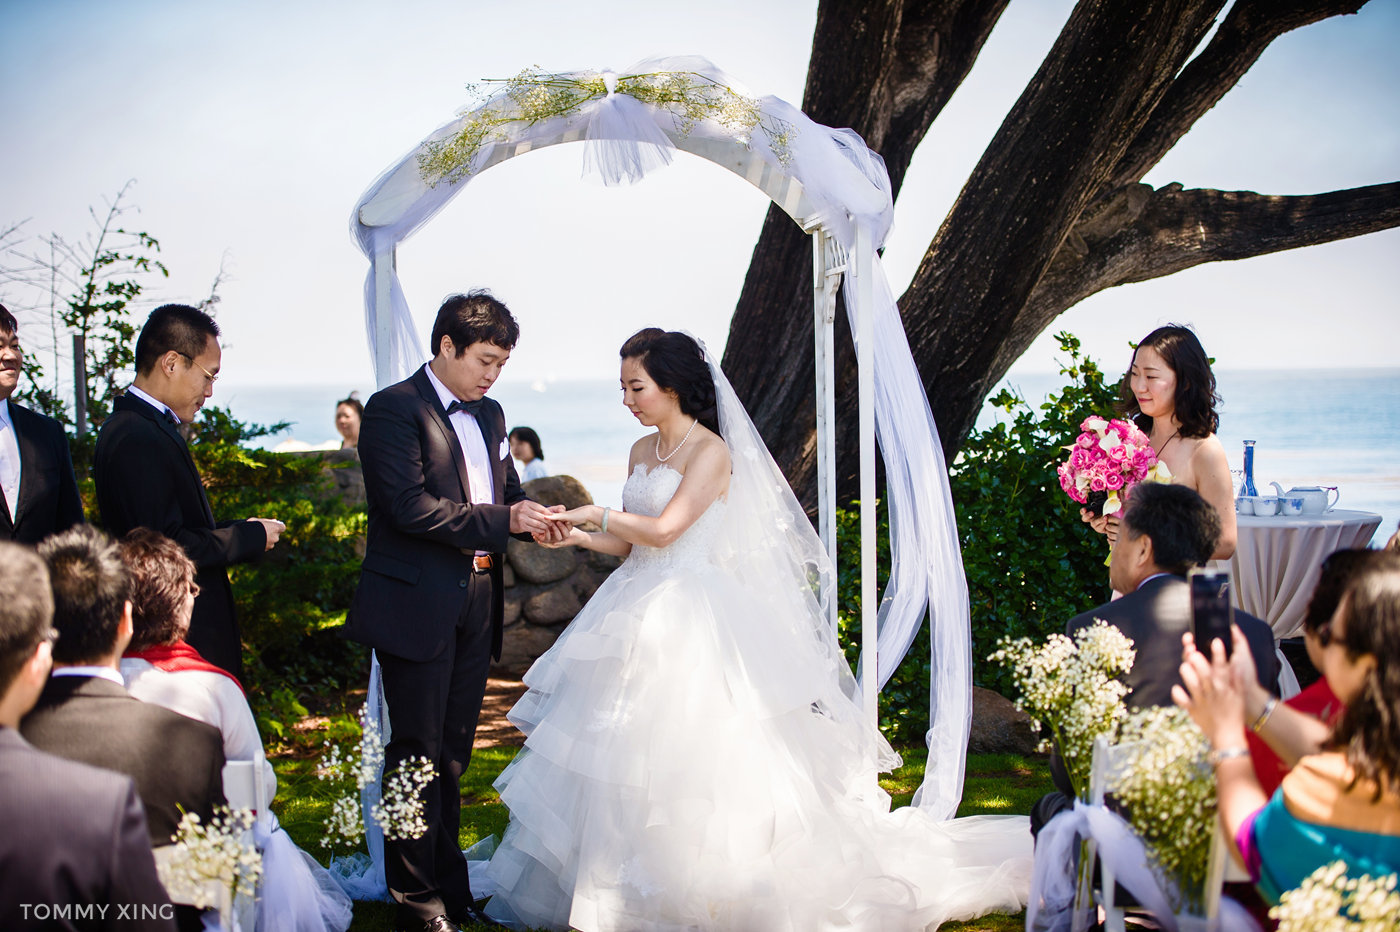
{"points": [[1315, 497]]}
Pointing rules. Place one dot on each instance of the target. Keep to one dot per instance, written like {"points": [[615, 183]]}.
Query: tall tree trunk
{"points": [[1052, 213]]}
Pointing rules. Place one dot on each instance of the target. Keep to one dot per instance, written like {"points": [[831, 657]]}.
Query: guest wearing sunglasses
{"points": [[1341, 800]]}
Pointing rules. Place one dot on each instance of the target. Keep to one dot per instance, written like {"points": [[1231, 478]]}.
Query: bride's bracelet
{"points": [[607, 510]]}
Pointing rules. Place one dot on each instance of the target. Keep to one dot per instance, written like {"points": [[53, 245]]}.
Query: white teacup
{"points": [[1244, 505], [1265, 505], [1290, 505]]}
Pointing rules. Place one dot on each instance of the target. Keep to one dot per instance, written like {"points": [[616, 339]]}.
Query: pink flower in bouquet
{"points": [[1108, 456]]}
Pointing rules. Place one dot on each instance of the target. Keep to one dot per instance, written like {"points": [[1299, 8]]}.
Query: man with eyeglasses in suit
{"points": [[145, 476]]}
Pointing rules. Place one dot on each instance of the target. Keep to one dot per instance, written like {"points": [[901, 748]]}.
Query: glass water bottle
{"points": [[1248, 490]]}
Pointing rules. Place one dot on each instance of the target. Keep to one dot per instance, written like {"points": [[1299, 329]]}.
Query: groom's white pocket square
{"points": [[505, 449]]}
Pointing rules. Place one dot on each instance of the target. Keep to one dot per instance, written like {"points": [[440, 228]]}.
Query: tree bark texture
{"points": [[1053, 212]]}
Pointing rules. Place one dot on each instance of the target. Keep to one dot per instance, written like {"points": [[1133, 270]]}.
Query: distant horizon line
{"points": [[527, 381]]}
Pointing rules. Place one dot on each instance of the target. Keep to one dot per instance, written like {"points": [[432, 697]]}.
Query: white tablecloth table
{"points": [[1278, 559]]}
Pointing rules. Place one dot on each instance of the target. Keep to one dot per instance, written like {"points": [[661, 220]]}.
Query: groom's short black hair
{"points": [[474, 317]]}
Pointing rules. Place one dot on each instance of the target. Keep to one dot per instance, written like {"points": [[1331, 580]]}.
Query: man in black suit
{"points": [[146, 478], [1166, 530], [74, 852], [85, 713], [38, 492], [443, 498]]}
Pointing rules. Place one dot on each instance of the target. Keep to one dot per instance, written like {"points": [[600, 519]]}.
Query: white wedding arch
{"points": [[836, 190]]}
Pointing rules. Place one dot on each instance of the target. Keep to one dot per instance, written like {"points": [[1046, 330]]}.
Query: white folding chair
{"points": [[1109, 761], [244, 789]]}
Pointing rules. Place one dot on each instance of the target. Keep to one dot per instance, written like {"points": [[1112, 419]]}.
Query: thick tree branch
{"points": [[884, 68], [1143, 234], [912, 55], [1100, 82], [1246, 32]]}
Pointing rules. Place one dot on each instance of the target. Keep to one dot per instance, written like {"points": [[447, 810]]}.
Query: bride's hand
{"points": [[575, 516], [574, 537]]}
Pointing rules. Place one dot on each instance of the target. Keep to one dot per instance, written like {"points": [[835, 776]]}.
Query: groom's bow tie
{"points": [[471, 407]]}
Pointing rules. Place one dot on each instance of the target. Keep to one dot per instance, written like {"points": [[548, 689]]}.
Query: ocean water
{"points": [[1311, 427]]}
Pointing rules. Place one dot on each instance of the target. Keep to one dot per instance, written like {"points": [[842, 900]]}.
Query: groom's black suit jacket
{"points": [[145, 477], [48, 491], [423, 528]]}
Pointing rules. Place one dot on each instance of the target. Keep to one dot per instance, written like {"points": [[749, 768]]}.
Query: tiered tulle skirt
{"points": [[691, 766]]}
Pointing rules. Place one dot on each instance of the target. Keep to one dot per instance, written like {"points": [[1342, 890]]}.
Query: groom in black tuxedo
{"points": [[443, 499], [145, 476], [38, 492]]}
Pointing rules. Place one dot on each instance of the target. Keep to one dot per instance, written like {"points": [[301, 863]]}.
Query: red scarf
{"points": [[180, 656]]}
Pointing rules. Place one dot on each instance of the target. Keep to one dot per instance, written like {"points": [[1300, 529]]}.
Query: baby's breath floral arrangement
{"points": [[533, 97], [399, 811], [1330, 901], [220, 851], [1168, 794], [1072, 686]]}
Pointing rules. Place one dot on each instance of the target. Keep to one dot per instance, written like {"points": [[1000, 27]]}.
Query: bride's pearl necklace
{"points": [[662, 459]]}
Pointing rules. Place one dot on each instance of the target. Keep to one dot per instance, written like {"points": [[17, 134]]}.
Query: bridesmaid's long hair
{"points": [[676, 363], [1195, 398]]}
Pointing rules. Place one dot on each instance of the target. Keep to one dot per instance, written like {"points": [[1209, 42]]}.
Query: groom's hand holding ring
{"points": [[527, 517]]}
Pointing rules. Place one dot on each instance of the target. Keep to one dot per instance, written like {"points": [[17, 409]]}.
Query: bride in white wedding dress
{"points": [[695, 757]]}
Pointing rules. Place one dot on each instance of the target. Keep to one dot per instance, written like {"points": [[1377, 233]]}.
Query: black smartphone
{"points": [[1211, 611]]}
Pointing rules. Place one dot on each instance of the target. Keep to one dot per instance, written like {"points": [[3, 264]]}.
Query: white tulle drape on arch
{"points": [[823, 177]]}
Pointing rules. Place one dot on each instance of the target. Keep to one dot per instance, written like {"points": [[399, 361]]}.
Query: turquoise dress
{"points": [[1282, 849]]}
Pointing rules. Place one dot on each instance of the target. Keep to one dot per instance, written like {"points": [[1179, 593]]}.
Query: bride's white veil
{"points": [[768, 544]]}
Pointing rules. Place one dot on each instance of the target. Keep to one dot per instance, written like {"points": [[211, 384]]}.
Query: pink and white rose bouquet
{"points": [[1106, 460]]}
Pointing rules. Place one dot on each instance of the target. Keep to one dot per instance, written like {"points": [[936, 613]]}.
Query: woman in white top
{"points": [[525, 447], [296, 894]]}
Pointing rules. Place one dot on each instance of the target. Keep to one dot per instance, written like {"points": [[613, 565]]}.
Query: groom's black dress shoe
{"points": [[435, 924], [472, 915]]}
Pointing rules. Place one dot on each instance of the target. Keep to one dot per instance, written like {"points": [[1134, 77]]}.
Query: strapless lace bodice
{"points": [[646, 493]]}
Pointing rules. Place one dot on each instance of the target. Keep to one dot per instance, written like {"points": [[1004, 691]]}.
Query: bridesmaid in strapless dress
{"points": [[1169, 392]]}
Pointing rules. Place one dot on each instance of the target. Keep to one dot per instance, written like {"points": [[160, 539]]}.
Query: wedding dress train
{"points": [[694, 760]]}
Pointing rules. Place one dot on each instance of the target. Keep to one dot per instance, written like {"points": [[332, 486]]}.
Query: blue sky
{"points": [[253, 127]]}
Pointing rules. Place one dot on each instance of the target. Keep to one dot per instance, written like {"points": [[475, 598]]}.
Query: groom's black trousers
{"points": [[433, 711]]}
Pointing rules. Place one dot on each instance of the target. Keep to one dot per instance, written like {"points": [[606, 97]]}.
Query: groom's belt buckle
{"points": [[481, 563]]}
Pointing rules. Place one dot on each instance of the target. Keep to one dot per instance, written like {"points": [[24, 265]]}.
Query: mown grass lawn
{"points": [[995, 784]]}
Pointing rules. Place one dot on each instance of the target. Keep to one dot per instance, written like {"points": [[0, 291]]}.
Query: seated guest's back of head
{"points": [[161, 667], [86, 715], [73, 835]]}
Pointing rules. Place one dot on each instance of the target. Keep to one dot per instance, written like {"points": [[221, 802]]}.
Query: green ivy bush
{"points": [[289, 601], [1031, 563]]}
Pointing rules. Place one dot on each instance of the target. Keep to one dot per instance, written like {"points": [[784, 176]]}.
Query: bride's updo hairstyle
{"points": [[676, 363], [1195, 397]]}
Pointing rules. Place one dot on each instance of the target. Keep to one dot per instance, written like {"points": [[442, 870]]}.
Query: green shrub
{"points": [[290, 600], [1031, 563]]}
